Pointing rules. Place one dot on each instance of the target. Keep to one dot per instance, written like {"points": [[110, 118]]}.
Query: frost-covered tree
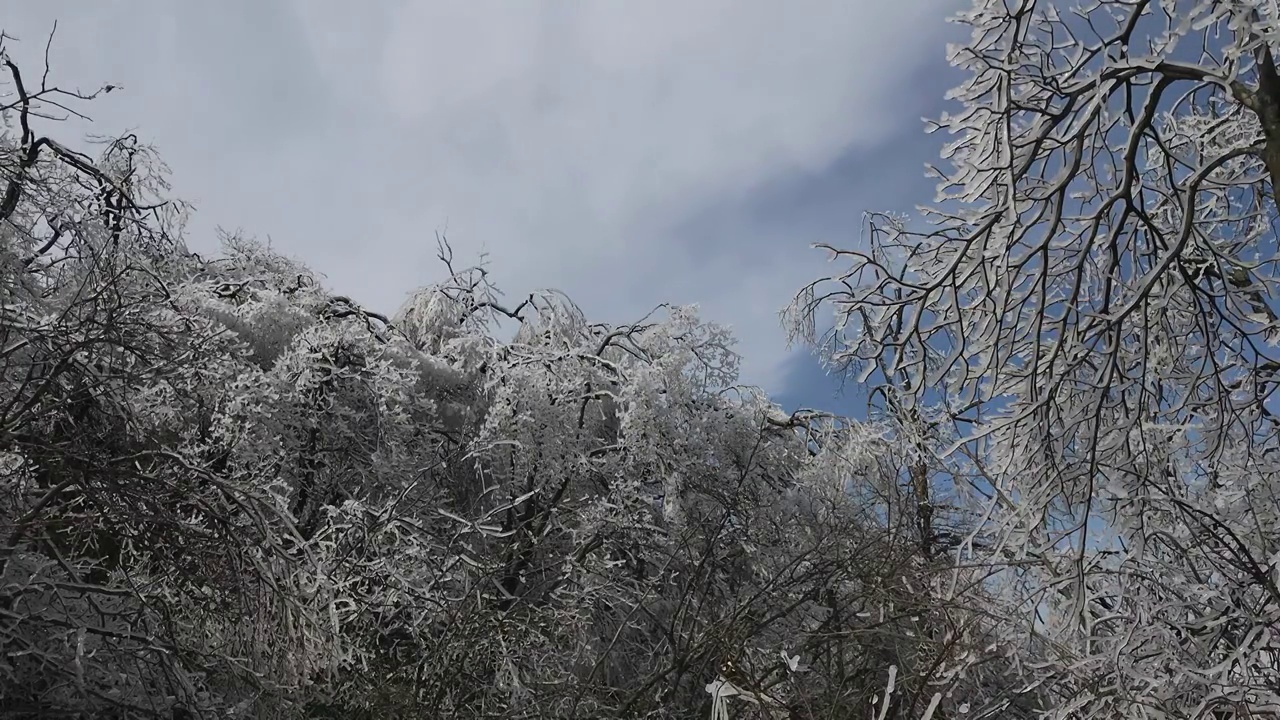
{"points": [[226, 491], [1087, 322], [635, 525]]}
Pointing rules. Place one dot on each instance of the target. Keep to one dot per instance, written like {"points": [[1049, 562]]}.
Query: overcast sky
{"points": [[628, 153]]}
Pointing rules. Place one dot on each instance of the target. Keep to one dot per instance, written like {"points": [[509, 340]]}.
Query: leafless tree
{"points": [[1088, 315]]}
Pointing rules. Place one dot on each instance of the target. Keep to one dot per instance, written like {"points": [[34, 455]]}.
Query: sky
{"points": [[627, 153]]}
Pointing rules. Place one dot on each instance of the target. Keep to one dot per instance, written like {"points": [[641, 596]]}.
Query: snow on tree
{"points": [[1087, 321], [229, 492]]}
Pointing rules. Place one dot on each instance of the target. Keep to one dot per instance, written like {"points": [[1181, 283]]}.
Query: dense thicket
{"points": [[229, 492], [226, 491]]}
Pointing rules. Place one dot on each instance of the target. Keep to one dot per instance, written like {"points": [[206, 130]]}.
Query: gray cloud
{"points": [[574, 142]]}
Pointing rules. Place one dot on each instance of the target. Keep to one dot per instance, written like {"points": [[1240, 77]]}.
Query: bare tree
{"points": [[1090, 311]]}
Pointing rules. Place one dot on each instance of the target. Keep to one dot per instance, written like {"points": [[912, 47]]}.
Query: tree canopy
{"points": [[1086, 321], [228, 491]]}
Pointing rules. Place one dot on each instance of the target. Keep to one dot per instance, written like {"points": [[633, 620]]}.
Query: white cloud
{"points": [[570, 140]]}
